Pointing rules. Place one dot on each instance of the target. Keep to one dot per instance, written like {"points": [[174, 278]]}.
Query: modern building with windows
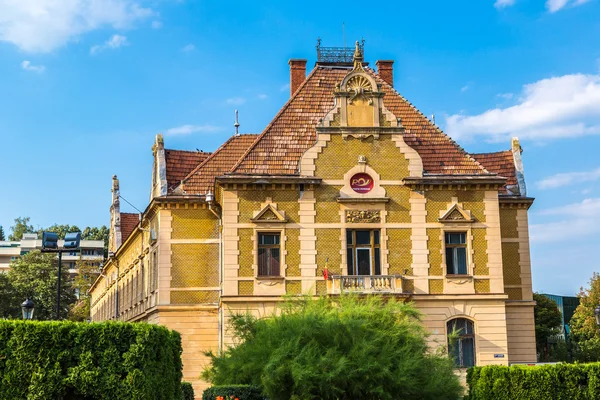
{"points": [[92, 251], [350, 189]]}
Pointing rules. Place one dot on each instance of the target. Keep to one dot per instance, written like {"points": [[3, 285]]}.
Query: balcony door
{"points": [[363, 254]]}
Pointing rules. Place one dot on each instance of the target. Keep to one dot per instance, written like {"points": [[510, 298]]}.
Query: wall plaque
{"points": [[357, 216], [361, 183]]}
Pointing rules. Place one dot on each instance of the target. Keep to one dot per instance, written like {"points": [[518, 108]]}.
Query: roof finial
{"points": [[433, 118], [237, 124], [358, 57]]}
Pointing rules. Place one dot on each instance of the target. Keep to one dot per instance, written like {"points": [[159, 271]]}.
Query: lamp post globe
{"points": [[597, 314], [27, 307]]}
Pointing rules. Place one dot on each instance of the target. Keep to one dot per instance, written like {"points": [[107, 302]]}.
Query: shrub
{"points": [[69, 360], [241, 392], [557, 381], [336, 349], [187, 391]]}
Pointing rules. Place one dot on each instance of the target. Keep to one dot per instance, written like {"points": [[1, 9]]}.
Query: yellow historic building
{"points": [[349, 189]]}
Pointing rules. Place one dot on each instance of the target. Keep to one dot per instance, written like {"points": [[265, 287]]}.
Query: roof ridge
{"points": [[283, 108], [190, 151], [437, 128], [491, 152], [212, 156]]}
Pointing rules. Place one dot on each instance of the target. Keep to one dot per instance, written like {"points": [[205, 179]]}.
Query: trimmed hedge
{"points": [[187, 391], [556, 381], [231, 392], [69, 360]]}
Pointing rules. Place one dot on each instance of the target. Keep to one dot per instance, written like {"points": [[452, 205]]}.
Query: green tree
{"points": [[548, 321], [86, 276], [61, 230], [2, 237], [20, 227], [35, 275], [584, 331], [97, 234], [336, 349], [9, 304]]}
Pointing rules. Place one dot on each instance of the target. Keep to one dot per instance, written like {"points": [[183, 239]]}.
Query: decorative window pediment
{"points": [[269, 214], [456, 214]]}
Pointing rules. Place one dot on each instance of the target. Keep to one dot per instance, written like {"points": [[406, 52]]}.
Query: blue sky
{"points": [[86, 84]]}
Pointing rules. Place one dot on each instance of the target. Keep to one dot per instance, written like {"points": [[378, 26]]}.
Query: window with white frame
{"points": [[456, 253], [363, 252]]}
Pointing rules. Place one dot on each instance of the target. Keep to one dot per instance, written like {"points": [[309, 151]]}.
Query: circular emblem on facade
{"points": [[361, 183]]}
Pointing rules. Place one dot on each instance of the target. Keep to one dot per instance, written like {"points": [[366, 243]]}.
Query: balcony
{"points": [[365, 284]]}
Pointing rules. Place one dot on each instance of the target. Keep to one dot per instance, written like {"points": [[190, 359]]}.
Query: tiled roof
{"points": [[202, 178], [180, 163], [500, 163], [129, 221], [281, 145]]}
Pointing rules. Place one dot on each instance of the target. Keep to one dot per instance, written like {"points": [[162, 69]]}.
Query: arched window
{"points": [[461, 342]]}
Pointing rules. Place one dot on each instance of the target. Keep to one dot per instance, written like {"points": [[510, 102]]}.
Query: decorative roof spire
{"points": [[237, 124], [358, 58]]}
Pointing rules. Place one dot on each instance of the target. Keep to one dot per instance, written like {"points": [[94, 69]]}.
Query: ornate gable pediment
{"points": [[456, 214], [269, 214]]}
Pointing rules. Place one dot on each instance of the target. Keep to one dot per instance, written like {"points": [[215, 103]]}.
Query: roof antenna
{"points": [[344, 33], [433, 118], [237, 124]]}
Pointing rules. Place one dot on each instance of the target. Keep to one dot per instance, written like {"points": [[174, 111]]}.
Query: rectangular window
{"points": [[456, 253], [268, 254], [363, 254]]}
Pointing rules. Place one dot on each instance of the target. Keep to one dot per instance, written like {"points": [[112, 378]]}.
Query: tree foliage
{"points": [[344, 348], [60, 230], [2, 236], [82, 282], [35, 276], [548, 321], [20, 227], [584, 331]]}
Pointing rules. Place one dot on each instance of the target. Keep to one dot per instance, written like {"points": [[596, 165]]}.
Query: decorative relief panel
{"points": [[357, 216]]}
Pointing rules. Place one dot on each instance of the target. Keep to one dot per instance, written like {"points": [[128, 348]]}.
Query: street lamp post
{"points": [[27, 307]]}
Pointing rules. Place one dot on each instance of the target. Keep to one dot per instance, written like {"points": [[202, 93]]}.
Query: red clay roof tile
{"points": [[180, 163], [129, 221], [500, 163]]}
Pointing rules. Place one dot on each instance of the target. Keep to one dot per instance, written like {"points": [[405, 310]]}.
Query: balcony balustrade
{"points": [[365, 284]]}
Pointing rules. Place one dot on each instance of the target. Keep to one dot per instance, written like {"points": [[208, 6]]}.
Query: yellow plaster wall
{"points": [[246, 258], [399, 257], [340, 155], [194, 224], [510, 263], [520, 327], [508, 223], [251, 200], [328, 248], [480, 247], [435, 252], [326, 206], [292, 248], [398, 207], [194, 297], [482, 286], [194, 265], [438, 200]]}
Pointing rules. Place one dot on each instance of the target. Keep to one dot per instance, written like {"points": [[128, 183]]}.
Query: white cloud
{"points": [[235, 101], [505, 96], [579, 219], [189, 129], [157, 24], [569, 178], [27, 66], [188, 47], [114, 42], [464, 88], [558, 107], [555, 5], [44, 25], [285, 87], [503, 3], [262, 96]]}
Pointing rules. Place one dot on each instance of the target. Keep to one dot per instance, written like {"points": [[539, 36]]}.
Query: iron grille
{"points": [[338, 55]]}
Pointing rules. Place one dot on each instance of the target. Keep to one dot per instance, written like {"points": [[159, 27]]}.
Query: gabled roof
{"points": [[180, 163], [500, 163], [279, 148], [129, 221], [202, 178]]}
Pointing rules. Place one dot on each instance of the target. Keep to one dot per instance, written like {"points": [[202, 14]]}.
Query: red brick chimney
{"points": [[385, 69], [297, 73]]}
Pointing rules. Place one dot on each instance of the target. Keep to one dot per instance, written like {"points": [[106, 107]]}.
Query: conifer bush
{"points": [[336, 349], [68, 360], [233, 392]]}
